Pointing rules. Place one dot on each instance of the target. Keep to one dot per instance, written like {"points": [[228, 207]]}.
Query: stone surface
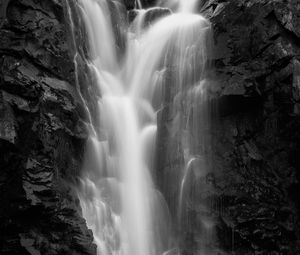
{"points": [[251, 190], [256, 139], [42, 132]]}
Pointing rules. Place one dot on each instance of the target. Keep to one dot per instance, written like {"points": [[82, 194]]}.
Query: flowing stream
{"points": [[122, 204]]}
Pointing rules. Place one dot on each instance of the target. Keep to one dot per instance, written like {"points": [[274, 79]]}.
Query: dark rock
{"points": [[148, 3], [45, 42], [42, 131], [151, 16], [8, 123], [130, 4], [256, 59], [288, 15], [119, 20], [156, 13], [253, 197]]}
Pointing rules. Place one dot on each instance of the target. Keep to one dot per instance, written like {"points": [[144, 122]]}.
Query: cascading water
{"points": [[122, 205]]}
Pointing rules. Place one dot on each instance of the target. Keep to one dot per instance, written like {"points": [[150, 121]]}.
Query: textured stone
{"points": [[253, 189], [8, 123], [257, 47], [42, 132]]}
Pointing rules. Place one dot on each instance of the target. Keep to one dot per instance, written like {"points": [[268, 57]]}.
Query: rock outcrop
{"points": [[251, 191], [253, 185], [257, 140], [42, 132]]}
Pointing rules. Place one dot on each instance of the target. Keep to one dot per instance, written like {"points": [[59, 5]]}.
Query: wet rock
{"points": [[8, 123], [45, 41], [155, 14], [20, 103], [256, 58], [287, 14], [152, 15], [253, 191], [42, 132], [3, 6], [130, 4]]}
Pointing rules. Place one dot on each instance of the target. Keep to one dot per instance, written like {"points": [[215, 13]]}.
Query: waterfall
{"points": [[119, 196]]}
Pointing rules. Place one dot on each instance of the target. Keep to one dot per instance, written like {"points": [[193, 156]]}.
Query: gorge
{"points": [[126, 130]]}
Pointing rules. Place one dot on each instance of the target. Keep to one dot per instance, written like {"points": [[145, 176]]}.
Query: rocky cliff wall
{"points": [[42, 131], [257, 141], [252, 190]]}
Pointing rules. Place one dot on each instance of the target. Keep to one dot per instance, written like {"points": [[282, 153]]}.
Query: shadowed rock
{"points": [[42, 132]]}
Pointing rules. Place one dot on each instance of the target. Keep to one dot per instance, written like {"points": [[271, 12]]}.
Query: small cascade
{"points": [[138, 4], [187, 6], [164, 62]]}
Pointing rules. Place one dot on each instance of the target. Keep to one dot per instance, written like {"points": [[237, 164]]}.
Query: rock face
{"points": [[257, 140], [42, 132], [254, 182], [253, 185]]}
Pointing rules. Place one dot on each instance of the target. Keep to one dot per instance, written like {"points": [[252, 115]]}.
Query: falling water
{"points": [[122, 205], [138, 4]]}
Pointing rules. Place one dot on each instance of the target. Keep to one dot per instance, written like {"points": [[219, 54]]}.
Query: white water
{"points": [[188, 6], [127, 214]]}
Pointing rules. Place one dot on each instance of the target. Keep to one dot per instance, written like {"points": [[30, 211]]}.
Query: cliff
{"points": [[252, 185], [257, 138], [42, 132]]}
